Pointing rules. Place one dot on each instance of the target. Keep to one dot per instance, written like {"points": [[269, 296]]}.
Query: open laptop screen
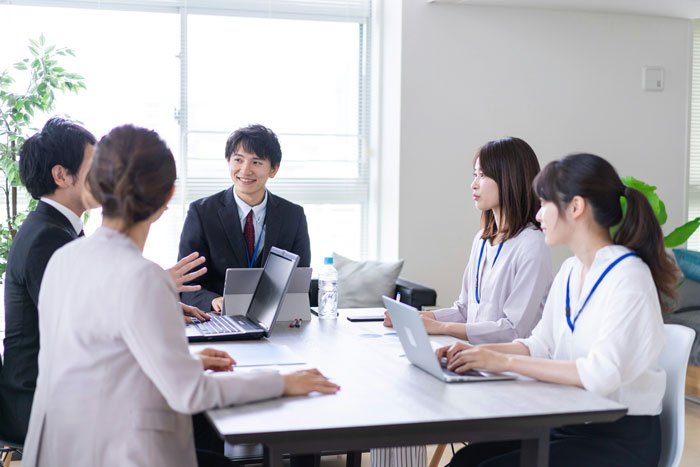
{"points": [[271, 288]]}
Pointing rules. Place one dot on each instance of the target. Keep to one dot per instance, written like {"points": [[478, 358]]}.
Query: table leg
{"points": [[535, 452], [272, 457], [354, 459]]}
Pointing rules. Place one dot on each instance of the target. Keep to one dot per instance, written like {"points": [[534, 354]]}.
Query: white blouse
{"points": [[116, 378], [618, 336], [512, 291]]}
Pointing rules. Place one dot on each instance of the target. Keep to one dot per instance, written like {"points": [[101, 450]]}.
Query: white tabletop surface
{"points": [[380, 387]]}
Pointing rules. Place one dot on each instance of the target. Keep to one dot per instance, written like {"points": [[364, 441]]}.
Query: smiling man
{"points": [[236, 228]]}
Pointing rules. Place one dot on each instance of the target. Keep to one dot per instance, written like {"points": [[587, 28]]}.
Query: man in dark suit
{"points": [[236, 228], [53, 165]]}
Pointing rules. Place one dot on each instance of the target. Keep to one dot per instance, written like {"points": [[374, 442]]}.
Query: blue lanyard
{"points": [[478, 265], [600, 279], [257, 245]]}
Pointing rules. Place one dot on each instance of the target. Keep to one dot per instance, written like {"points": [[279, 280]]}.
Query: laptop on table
{"points": [[416, 343], [240, 284], [263, 309]]}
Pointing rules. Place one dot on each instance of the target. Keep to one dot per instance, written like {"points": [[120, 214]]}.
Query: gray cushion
{"points": [[688, 295], [361, 284]]}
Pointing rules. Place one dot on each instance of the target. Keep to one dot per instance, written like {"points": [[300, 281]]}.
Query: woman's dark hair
{"points": [[60, 142], [132, 174], [595, 180], [258, 140], [512, 163]]}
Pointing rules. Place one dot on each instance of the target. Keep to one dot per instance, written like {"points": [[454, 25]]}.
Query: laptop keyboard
{"points": [[220, 325]]}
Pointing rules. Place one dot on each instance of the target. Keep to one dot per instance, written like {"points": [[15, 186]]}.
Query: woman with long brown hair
{"points": [[509, 272], [601, 329]]}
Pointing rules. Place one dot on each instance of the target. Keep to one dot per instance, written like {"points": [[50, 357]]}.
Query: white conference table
{"points": [[386, 401]]}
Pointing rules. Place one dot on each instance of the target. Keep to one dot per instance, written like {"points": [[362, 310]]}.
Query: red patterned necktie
{"points": [[249, 234]]}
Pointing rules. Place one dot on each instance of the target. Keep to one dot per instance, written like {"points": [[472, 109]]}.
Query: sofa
{"points": [[686, 311]]}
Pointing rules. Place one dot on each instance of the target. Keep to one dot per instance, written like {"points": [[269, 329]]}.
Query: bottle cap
{"points": [[328, 260]]}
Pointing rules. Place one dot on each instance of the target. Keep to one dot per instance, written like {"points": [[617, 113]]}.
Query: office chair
{"points": [[8, 448], [674, 361], [437, 455]]}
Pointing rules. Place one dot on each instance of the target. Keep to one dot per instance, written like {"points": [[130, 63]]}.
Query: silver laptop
{"points": [[416, 343], [263, 309], [240, 284]]}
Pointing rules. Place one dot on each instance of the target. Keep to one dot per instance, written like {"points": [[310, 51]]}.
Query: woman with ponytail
{"points": [[601, 328], [116, 378]]}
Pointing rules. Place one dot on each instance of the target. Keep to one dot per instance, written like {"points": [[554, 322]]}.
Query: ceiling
{"points": [[671, 8]]}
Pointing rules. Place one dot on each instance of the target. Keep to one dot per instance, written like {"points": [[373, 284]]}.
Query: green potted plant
{"points": [[688, 261], [46, 78], [680, 234]]}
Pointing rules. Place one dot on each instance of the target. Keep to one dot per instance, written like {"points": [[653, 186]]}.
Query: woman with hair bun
{"points": [[601, 328], [116, 378]]}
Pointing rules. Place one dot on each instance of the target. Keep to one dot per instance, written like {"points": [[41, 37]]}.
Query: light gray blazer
{"points": [[512, 291], [116, 379]]}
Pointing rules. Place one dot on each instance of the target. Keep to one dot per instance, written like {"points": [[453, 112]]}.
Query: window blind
{"points": [[325, 158], [326, 10], [694, 166]]}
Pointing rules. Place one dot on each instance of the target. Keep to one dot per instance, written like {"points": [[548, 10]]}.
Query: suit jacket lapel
{"points": [[273, 224], [45, 209], [231, 223]]}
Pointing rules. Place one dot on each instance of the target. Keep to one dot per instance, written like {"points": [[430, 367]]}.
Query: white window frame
{"points": [[694, 143], [354, 190]]}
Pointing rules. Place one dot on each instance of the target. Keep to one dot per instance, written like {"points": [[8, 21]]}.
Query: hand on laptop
{"points": [[181, 274], [216, 304], [303, 382], [463, 357], [387, 320], [193, 312], [216, 360], [449, 351]]}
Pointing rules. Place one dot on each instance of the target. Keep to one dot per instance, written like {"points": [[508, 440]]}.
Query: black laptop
{"points": [[264, 306]]}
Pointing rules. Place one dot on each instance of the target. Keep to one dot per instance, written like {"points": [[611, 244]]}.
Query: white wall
{"points": [[563, 81], [387, 51]]}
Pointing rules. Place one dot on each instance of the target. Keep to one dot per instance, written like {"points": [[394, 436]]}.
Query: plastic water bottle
{"points": [[328, 290]]}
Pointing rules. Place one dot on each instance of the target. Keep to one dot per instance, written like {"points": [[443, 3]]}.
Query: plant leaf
{"points": [[663, 216], [681, 234], [650, 192]]}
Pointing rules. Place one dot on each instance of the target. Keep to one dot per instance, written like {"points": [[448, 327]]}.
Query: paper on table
{"points": [[256, 353]]}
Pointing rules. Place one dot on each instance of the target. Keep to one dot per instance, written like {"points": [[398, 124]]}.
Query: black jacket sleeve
{"points": [[302, 243], [42, 249]]}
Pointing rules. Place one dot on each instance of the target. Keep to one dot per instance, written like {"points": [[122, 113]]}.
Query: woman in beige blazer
{"points": [[116, 380]]}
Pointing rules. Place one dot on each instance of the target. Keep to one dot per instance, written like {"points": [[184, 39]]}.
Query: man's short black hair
{"points": [[258, 140], [60, 142]]}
